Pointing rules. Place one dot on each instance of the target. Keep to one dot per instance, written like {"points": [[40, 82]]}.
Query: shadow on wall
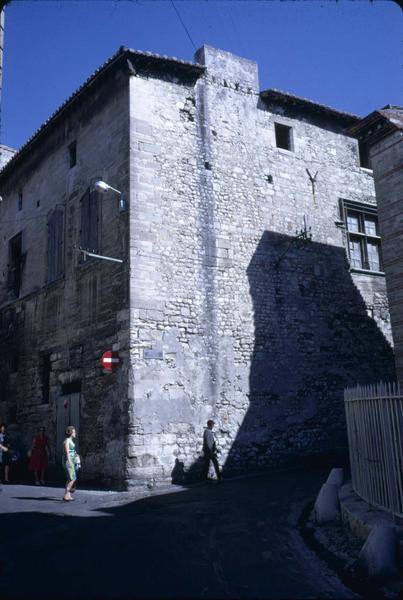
{"points": [[313, 337]]}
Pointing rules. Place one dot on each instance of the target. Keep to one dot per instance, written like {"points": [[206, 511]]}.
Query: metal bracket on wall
{"points": [[100, 256], [303, 236], [313, 181]]}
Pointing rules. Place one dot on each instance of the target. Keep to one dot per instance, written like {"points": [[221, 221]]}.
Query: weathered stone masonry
{"points": [[264, 349], [382, 133], [218, 311], [64, 326]]}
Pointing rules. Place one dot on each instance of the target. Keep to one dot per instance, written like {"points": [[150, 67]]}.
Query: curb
{"points": [[361, 517]]}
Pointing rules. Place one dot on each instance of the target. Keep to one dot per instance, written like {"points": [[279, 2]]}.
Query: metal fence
{"points": [[374, 416]]}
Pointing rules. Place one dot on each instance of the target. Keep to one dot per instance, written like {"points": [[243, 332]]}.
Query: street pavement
{"points": [[233, 539]]}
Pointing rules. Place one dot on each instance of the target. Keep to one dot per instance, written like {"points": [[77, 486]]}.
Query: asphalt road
{"points": [[235, 539]]}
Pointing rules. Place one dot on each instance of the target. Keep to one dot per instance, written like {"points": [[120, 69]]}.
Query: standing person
{"points": [[5, 452], [69, 461], [210, 450], [39, 460]]}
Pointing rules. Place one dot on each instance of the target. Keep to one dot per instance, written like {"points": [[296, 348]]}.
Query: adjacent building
{"points": [[251, 290], [380, 136]]}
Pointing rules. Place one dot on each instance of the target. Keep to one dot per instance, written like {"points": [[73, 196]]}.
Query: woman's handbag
{"points": [[77, 462]]}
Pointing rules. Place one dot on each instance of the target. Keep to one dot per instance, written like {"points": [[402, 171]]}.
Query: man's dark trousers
{"points": [[213, 457]]}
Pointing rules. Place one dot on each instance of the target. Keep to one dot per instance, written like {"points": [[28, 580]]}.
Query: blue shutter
{"points": [[55, 245], [89, 221]]}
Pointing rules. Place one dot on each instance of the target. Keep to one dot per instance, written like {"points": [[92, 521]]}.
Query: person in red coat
{"points": [[39, 459]]}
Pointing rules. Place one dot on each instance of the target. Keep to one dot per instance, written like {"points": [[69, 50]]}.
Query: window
{"points": [[283, 136], [20, 198], [89, 221], [74, 387], [364, 242], [364, 155], [15, 264], [73, 154], [55, 245]]}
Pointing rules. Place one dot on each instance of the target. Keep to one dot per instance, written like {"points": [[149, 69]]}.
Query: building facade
{"points": [[252, 288], [380, 134]]}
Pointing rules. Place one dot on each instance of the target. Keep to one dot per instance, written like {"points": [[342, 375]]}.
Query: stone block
{"points": [[326, 506], [379, 553]]}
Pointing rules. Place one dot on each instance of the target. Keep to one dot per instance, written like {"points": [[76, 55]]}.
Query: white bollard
{"points": [[378, 554], [327, 503], [336, 476]]}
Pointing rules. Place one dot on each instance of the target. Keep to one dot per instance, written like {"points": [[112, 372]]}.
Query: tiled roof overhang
{"points": [[303, 104], [378, 124], [138, 60]]}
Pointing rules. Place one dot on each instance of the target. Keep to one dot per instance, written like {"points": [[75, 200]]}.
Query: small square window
{"points": [[283, 136], [73, 154]]}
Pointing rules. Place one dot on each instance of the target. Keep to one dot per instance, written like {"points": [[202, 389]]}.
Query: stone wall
{"points": [[218, 311], [60, 329], [231, 317], [387, 160], [6, 154]]}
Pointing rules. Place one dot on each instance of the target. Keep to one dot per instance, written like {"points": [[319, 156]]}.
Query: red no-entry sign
{"points": [[110, 360]]}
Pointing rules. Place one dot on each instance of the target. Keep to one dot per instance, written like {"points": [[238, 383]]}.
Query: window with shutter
{"points": [[15, 265], [89, 221], [55, 245]]}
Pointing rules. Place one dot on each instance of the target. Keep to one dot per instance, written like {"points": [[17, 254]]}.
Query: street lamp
{"points": [[103, 187]]}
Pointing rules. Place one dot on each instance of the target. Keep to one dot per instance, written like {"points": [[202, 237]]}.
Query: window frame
{"points": [[279, 125], [364, 159], [361, 211]]}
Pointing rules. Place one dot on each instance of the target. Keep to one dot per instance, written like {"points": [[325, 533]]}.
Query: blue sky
{"points": [[344, 54]]}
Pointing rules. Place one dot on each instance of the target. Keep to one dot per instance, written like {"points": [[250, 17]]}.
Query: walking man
{"points": [[210, 450]]}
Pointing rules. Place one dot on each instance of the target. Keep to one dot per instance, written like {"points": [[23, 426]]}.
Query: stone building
{"points": [[6, 153], [244, 294], [380, 137]]}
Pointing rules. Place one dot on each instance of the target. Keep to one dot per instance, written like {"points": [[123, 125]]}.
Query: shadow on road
{"points": [[236, 539]]}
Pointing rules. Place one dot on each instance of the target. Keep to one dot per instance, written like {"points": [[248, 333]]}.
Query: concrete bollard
{"points": [[336, 476], [378, 554], [327, 503]]}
